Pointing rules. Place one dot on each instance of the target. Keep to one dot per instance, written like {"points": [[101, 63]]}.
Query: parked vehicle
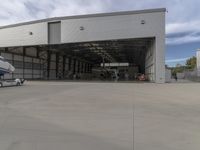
{"points": [[141, 77], [6, 68], [14, 82]]}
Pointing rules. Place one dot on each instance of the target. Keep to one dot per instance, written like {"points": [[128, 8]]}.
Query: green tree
{"points": [[178, 69], [191, 62], [189, 65]]}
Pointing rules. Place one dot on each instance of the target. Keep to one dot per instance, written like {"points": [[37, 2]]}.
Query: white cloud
{"points": [[192, 26], [182, 40], [181, 33], [176, 60], [14, 11], [183, 15], [72, 8]]}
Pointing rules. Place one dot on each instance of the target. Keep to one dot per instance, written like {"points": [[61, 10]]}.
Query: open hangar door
{"points": [[97, 60], [109, 60]]}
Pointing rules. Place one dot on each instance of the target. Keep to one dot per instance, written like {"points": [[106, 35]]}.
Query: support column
{"points": [[48, 63], [70, 63], [88, 68], [85, 70], [159, 60], [32, 68], [57, 63], [24, 53], [103, 61], [64, 61], [38, 52], [13, 65], [78, 66], [82, 67], [74, 67]]}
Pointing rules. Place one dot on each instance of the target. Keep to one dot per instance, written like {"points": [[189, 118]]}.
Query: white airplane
{"points": [[5, 67]]}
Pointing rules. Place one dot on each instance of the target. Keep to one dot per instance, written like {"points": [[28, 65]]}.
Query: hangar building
{"points": [[59, 48]]}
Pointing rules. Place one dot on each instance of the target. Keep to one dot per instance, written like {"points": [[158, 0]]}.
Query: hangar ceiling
{"points": [[131, 50]]}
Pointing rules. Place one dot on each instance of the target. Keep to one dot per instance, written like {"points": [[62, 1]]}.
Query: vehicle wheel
{"points": [[1, 85]]}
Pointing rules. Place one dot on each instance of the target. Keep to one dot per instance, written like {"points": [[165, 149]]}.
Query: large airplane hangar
{"points": [[59, 48]]}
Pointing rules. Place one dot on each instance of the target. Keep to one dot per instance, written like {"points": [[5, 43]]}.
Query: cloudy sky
{"points": [[182, 19]]}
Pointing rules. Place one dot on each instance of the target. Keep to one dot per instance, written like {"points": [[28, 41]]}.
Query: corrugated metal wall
{"points": [[30, 64], [150, 61], [112, 27], [25, 66]]}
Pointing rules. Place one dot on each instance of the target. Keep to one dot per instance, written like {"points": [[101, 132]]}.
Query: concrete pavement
{"points": [[87, 116], [167, 117], [74, 116]]}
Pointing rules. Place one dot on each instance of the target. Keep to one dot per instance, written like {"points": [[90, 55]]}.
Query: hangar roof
{"points": [[87, 16]]}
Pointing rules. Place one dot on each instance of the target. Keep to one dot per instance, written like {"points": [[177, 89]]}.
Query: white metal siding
{"points": [[112, 27], [20, 36], [95, 28]]}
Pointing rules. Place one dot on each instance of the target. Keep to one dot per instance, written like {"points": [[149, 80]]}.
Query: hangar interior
{"points": [[84, 61]]}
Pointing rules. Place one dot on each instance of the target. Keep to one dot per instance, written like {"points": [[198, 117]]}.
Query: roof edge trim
{"points": [[120, 13]]}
